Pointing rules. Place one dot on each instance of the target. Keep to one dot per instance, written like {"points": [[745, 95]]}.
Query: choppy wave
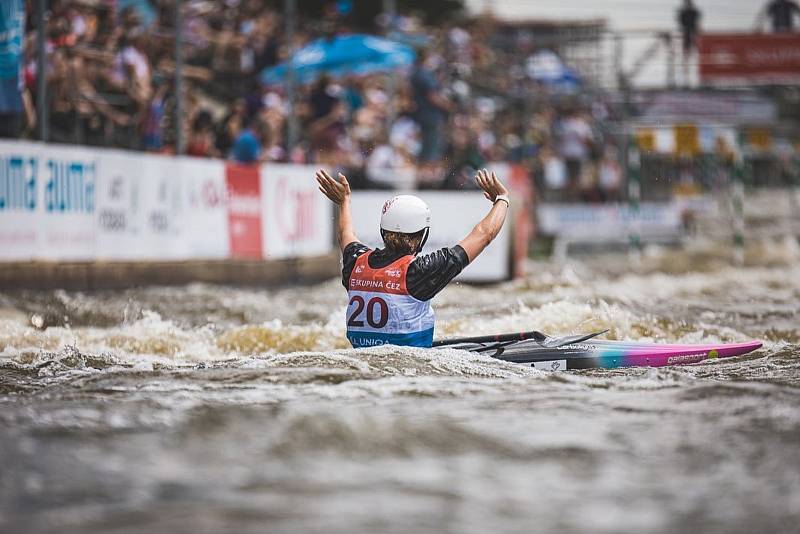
{"points": [[212, 408]]}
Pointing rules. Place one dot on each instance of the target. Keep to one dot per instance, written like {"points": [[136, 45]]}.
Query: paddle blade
{"points": [[555, 342]]}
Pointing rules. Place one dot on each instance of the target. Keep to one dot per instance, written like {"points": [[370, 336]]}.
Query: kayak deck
{"points": [[587, 353]]}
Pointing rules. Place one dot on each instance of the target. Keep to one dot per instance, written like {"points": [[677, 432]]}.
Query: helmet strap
{"points": [[424, 239]]}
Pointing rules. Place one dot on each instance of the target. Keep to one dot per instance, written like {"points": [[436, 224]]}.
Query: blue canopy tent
{"points": [[345, 54], [547, 68]]}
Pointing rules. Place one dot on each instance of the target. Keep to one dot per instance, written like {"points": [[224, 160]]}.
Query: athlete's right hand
{"points": [[338, 191], [491, 186]]}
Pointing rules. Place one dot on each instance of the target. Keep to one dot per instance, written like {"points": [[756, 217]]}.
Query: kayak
{"points": [[541, 351]]}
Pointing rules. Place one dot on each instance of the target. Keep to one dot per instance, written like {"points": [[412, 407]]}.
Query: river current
{"points": [[222, 409]]}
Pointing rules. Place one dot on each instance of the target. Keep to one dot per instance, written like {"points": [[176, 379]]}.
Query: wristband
{"points": [[501, 197]]}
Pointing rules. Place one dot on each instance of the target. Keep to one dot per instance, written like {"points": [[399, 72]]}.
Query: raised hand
{"points": [[491, 186], [338, 191]]}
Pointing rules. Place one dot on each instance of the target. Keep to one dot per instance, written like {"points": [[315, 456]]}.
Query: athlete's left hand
{"points": [[491, 186], [338, 191]]}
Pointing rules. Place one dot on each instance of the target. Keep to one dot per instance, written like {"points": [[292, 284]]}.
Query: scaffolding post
{"points": [[796, 185], [619, 52], [180, 142], [737, 200], [634, 201], [669, 43], [289, 9], [41, 70]]}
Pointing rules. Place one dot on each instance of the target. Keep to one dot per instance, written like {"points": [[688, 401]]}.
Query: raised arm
{"points": [[338, 191], [486, 230]]}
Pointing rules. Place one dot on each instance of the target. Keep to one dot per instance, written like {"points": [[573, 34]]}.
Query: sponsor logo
{"points": [[377, 284], [713, 353], [550, 365], [116, 188], [18, 183], [685, 358], [394, 273], [366, 342], [359, 269], [113, 220], [294, 212], [69, 186], [245, 205], [212, 195], [387, 205], [158, 221]]}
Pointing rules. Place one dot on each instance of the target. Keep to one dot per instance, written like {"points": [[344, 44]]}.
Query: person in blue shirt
{"points": [[247, 146], [431, 112]]}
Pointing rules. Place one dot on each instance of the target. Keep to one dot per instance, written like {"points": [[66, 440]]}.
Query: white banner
{"points": [[20, 202], [453, 215], [119, 218], [47, 202], [297, 220], [205, 215], [609, 221], [160, 197]]}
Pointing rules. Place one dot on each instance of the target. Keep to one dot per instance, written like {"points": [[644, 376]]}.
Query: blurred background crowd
{"points": [[479, 90], [471, 96]]}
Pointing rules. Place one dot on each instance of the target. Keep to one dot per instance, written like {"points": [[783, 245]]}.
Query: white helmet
{"points": [[406, 214]]}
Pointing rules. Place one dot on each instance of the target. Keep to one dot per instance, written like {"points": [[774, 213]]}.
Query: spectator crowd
{"points": [[465, 102]]}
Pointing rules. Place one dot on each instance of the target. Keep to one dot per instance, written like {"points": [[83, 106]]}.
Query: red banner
{"points": [[743, 58], [520, 184], [244, 211]]}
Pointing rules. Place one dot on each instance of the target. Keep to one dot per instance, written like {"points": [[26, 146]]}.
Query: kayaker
{"points": [[390, 288]]}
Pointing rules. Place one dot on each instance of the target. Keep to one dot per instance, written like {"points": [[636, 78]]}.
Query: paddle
{"points": [[544, 339], [497, 338]]}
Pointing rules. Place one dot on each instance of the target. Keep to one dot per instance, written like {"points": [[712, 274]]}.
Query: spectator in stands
{"points": [[11, 99], [154, 117], [323, 97], [588, 184], [432, 108], [247, 147], [328, 133], [781, 13], [231, 126], [201, 142], [110, 83], [610, 174], [390, 166], [464, 157], [274, 113], [554, 176], [689, 21], [576, 136]]}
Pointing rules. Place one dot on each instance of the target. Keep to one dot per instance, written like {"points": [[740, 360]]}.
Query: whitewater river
{"points": [[221, 409]]}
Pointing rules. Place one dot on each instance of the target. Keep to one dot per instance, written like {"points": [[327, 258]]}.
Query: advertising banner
{"points": [[453, 215], [20, 202], [67, 181], [522, 198], [610, 221], [205, 208], [160, 196], [756, 58], [119, 219], [297, 218], [244, 211]]}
